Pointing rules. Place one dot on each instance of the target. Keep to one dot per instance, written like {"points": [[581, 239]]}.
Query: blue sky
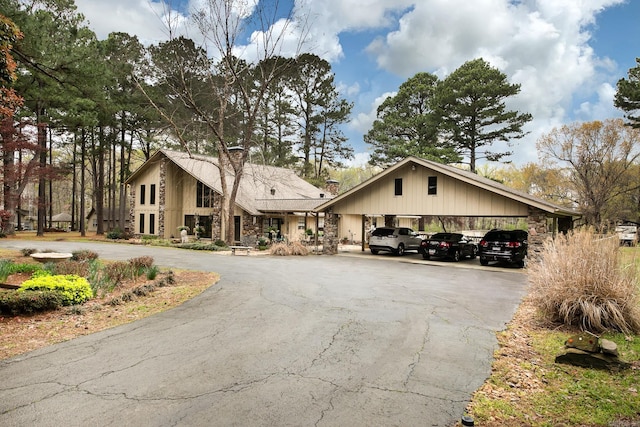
{"points": [[567, 55]]}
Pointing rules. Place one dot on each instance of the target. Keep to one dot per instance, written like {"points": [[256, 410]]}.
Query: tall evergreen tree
{"points": [[473, 114], [406, 125], [628, 95]]}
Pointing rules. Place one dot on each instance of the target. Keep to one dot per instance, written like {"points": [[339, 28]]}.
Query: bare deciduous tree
{"points": [[599, 158], [224, 90]]}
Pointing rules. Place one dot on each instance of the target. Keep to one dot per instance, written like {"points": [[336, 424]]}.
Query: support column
{"points": [[132, 209], [162, 198], [330, 239], [538, 232]]}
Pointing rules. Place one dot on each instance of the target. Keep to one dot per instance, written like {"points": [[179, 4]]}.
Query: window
{"points": [[142, 194], [204, 196], [152, 195], [152, 222], [398, 191], [432, 187], [141, 224]]}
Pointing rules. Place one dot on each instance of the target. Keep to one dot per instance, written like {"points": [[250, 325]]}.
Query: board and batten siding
{"points": [[149, 178], [453, 198]]}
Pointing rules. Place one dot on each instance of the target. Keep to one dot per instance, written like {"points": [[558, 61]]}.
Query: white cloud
{"points": [[146, 19], [362, 121], [543, 45]]}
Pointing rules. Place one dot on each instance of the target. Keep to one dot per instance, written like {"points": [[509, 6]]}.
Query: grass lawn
{"points": [[527, 387]]}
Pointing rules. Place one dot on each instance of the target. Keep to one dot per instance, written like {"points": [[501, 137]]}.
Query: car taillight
{"points": [[423, 243], [445, 244], [514, 244], [483, 242]]}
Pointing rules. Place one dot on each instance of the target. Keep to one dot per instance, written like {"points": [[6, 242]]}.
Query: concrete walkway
{"points": [[346, 340]]}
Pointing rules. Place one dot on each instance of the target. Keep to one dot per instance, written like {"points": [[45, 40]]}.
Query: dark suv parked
{"points": [[504, 245]]}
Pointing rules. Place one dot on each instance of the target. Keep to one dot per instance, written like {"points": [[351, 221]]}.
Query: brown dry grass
{"points": [[286, 249], [21, 334], [580, 281]]}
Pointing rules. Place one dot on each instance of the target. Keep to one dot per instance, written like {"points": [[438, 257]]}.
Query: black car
{"points": [[504, 245], [448, 245]]}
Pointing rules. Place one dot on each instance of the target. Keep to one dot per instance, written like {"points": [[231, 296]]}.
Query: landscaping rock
{"points": [[589, 351]]}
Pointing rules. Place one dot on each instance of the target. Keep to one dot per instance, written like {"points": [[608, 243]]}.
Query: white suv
{"points": [[396, 240]]}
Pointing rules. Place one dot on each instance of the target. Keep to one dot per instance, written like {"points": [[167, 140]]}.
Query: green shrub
{"points": [[579, 280], [220, 243], [84, 255], [151, 272], [8, 267], [117, 234], [28, 302], [73, 289], [199, 246]]}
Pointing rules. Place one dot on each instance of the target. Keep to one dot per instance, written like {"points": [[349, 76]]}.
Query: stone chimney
{"points": [[332, 186], [235, 154]]}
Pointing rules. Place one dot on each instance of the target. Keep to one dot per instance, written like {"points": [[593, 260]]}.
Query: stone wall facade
{"points": [[538, 232], [216, 218], [330, 239], [162, 197], [133, 229], [251, 229]]}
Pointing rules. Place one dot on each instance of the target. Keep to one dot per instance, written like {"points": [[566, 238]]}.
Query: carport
{"points": [[419, 187]]}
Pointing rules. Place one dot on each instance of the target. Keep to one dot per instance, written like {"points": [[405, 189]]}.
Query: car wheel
{"points": [[425, 256], [483, 261], [374, 251], [400, 250], [456, 256]]}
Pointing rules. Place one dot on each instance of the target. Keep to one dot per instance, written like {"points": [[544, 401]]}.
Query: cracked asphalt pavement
{"points": [[352, 339]]}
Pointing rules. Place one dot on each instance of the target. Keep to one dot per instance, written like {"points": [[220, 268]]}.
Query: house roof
{"points": [[61, 217], [262, 188], [466, 177]]}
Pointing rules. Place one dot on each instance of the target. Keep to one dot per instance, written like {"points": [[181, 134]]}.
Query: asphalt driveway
{"points": [[279, 341]]}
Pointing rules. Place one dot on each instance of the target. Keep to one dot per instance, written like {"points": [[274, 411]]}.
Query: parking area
{"points": [[353, 339]]}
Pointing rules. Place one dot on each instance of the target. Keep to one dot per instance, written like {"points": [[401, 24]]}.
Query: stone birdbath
{"points": [[45, 257]]}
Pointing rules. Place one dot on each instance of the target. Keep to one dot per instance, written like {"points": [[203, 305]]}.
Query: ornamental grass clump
{"points": [[580, 281], [73, 289]]}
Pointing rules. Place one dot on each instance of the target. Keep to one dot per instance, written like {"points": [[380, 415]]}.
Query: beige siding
{"points": [[173, 200], [148, 178], [453, 198]]}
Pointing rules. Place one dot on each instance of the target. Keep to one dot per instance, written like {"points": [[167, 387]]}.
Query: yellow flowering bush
{"points": [[73, 289]]}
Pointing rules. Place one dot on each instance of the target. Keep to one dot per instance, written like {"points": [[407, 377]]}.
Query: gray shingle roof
{"points": [[263, 188]]}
